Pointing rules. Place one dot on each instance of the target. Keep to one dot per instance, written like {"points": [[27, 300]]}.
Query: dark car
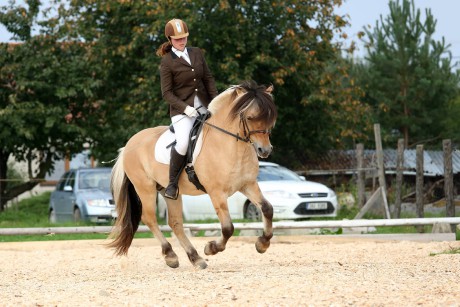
{"points": [[82, 195]]}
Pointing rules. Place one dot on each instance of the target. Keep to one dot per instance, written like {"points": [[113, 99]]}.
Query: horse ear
{"points": [[240, 91], [270, 89]]}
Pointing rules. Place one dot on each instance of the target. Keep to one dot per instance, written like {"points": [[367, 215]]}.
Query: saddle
{"points": [[194, 133]]}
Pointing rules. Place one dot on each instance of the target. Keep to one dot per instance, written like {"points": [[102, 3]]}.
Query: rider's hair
{"points": [[164, 48]]}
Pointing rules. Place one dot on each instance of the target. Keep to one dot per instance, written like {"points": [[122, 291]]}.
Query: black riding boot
{"points": [[175, 167]]}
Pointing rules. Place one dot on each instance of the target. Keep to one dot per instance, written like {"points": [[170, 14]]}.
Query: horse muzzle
{"points": [[263, 151]]}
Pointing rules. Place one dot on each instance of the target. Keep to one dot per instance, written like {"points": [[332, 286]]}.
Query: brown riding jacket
{"points": [[180, 81]]}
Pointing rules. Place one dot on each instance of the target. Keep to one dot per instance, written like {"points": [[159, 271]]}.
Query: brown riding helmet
{"points": [[176, 28]]}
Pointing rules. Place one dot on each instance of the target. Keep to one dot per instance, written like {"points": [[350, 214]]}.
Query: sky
{"points": [[367, 12]]}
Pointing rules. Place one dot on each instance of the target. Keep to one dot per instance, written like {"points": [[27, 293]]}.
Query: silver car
{"points": [[82, 195]]}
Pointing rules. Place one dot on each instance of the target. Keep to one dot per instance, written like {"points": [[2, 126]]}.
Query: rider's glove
{"points": [[191, 112]]}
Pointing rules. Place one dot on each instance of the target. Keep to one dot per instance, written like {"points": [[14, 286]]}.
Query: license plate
{"points": [[316, 206]]}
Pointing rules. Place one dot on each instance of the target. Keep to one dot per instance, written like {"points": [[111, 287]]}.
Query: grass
{"points": [[450, 251], [33, 212]]}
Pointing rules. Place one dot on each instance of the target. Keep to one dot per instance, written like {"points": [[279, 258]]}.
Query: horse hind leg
{"points": [[176, 222], [148, 198]]}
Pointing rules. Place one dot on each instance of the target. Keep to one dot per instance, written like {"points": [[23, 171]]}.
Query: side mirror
{"points": [[68, 188]]}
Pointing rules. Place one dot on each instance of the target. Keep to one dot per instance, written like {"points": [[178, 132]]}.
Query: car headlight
{"points": [[332, 193], [280, 194], [98, 202]]}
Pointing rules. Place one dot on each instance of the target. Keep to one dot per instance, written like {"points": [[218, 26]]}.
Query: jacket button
{"points": [[196, 90], [193, 69]]}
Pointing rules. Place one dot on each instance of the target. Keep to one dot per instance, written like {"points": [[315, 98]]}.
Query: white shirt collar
{"points": [[179, 53]]}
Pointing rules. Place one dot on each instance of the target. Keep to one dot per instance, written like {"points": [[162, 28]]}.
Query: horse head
{"points": [[257, 113]]}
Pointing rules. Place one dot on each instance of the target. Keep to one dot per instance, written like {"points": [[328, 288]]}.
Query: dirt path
{"points": [[308, 270]]}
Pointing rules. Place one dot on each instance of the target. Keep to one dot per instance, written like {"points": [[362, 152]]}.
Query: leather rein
{"points": [[247, 132]]}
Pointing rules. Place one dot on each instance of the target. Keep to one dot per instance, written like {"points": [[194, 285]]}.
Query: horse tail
{"points": [[128, 206]]}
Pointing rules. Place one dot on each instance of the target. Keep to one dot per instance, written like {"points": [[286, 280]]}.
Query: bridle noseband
{"points": [[247, 132]]}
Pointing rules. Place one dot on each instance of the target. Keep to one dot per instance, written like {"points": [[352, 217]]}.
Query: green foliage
{"points": [[30, 212], [241, 42], [408, 77], [347, 212]]}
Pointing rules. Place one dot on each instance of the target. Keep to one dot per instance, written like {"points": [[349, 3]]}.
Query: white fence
{"points": [[243, 226]]}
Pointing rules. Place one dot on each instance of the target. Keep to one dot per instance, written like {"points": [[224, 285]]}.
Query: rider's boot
{"points": [[175, 166]]}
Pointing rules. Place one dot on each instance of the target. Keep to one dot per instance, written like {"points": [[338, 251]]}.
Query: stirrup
{"points": [[170, 187]]}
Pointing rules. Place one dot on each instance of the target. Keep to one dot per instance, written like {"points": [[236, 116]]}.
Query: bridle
{"points": [[247, 133]]}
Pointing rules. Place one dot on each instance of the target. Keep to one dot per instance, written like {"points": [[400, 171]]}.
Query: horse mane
{"points": [[254, 95]]}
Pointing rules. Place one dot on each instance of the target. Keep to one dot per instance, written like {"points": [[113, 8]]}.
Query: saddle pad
{"points": [[163, 154]]}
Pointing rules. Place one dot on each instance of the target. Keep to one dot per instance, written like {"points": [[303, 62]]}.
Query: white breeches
{"points": [[182, 126]]}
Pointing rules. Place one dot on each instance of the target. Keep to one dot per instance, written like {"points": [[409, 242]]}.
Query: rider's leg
{"points": [[182, 126]]}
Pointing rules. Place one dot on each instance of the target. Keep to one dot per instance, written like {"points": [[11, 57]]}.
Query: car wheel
{"points": [[52, 217], [253, 213], [77, 215]]}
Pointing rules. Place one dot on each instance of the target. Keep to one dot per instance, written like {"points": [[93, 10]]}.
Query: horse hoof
{"points": [[262, 245], [200, 264], [211, 248], [172, 262]]}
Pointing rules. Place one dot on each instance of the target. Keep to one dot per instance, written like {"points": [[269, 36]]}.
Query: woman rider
{"points": [[188, 86]]}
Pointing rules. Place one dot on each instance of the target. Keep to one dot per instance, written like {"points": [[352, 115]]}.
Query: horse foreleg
{"points": [[221, 207], [149, 218], [176, 222], [255, 196]]}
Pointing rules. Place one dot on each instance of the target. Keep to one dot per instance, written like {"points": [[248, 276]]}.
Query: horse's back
{"points": [[139, 152]]}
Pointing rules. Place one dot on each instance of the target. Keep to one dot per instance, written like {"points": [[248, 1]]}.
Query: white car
{"points": [[291, 195]]}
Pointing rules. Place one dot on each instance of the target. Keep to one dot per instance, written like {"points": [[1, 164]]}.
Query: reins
{"points": [[247, 132]]}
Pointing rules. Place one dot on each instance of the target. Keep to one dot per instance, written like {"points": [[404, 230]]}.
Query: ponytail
{"points": [[164, 49]]}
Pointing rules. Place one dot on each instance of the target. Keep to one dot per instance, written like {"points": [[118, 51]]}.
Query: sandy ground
{"points": [[295, 271]]}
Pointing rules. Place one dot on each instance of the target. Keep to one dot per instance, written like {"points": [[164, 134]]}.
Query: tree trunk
{"points": [[3, 171], [8, 193]]}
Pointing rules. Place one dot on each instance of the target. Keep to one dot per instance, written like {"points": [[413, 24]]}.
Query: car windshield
{"points": [[94, 180], [270, 173]]}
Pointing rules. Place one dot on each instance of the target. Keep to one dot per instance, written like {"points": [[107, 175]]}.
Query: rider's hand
{"points": [[191, 112]]}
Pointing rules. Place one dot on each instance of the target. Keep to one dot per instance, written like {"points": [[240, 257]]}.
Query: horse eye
{"points": [[249, 118]]}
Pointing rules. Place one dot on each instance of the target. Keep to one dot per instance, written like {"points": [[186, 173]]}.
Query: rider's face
{"points": [[179, 43]]}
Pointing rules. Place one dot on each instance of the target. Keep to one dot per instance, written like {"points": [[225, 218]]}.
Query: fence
{"points": [[243, 226], [430, 169], [379, 163]]}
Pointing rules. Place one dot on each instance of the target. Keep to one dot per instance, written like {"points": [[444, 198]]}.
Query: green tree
{"points": [[409, 81], [91, 75], [286, 43], [121, 39], [45, 85]]}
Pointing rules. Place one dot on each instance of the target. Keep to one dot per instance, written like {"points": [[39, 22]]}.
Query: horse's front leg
{"points": [[220, 205], [254, 194]]}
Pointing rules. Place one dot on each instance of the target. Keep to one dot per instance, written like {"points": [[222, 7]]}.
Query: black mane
{"points": [[255, 94]]}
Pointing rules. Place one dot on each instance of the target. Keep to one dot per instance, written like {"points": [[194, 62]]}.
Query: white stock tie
{"points": [[185, 56]]}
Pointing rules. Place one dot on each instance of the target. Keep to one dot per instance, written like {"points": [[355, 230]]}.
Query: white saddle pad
{"points": [[163, 154]]}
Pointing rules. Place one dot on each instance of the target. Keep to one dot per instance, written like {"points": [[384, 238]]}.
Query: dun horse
{"points": [[235, 135]]}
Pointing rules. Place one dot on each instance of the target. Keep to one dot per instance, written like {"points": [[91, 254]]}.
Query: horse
{"points": [[233, 137]]}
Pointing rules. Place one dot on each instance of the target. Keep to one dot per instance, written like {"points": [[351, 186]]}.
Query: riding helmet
{"points": [[176, 28]]}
